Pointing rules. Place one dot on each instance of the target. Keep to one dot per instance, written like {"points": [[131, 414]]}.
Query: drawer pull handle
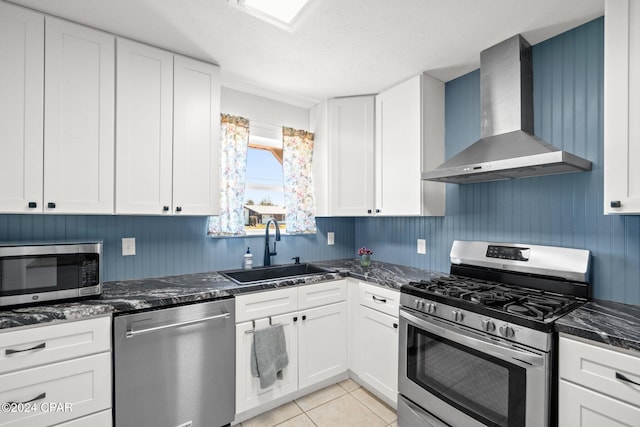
{"points": [[382, 300], [12, 351], [38, 397], [621, 377]]}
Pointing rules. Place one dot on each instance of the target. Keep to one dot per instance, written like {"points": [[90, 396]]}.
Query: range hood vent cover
{"points": [[507, 147]]}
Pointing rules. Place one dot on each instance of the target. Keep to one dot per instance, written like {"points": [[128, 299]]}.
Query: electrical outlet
{"points": [[330, 238], [422, 246], [128, 246]]}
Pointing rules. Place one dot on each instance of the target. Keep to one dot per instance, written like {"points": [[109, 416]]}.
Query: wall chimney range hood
{"points": [[507, 147]]}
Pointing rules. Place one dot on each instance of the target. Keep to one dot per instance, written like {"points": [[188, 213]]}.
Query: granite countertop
{"points": [[130, 295], [605, 322]]}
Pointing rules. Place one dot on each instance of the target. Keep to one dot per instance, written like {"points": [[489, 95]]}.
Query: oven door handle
{"points": [[497, 350]]}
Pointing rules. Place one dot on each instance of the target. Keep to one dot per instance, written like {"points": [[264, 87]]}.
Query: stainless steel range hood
{"points": [[507, 147]]}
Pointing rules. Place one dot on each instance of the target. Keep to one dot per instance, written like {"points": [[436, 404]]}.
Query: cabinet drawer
{"points": [[322, 294], [101, 419], [267, 303], [597, 368], [65, 391], [53, 343], [581, 407], [378, 298]]}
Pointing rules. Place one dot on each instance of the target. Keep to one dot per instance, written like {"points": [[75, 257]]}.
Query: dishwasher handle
{"points": [[131, 333]]}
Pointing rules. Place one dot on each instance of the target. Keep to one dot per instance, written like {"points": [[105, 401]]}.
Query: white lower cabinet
{"points": [[316, 338], [597, 386], [248, 391], [322, 343], [378, 350], [376, 341], [57, 373]]}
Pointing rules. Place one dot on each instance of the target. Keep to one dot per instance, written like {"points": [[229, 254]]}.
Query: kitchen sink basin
{"points": [[276, 272]]}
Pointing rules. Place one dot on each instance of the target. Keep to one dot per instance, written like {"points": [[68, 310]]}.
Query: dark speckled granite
{"points": [[131, 295], [606, 322]]}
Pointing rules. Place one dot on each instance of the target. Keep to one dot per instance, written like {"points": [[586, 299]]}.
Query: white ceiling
{"points": [[342, 47]]}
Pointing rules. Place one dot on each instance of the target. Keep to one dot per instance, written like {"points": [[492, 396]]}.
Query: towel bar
{"points": [[250, 331]]}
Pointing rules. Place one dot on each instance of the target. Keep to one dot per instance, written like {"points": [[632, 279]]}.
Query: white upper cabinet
{"points": [[374, 150], [21, 104], [167, 140], [621, 107], [144, 129], [409, 139], [79, 119], [350, 148], [196, 137]]}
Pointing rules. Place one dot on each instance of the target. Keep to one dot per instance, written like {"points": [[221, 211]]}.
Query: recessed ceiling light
{"points": [[282, 13]]}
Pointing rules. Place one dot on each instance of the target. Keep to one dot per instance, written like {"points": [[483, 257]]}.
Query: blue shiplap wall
{"points": [[174, 245], [563, 210]]}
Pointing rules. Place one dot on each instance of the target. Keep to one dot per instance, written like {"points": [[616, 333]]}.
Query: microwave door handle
{"points": [[497, 350]]}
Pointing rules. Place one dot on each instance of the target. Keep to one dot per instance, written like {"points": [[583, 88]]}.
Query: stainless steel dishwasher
{"points": [[176, 366]]}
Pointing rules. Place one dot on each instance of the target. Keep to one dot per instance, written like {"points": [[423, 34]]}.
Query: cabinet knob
{"points": [[33, 205], [377, 210], [304, 317], [51, 205], [179, 209], [295, 318], [165, 209], [616, 204], [368, 210], [395, 326]]}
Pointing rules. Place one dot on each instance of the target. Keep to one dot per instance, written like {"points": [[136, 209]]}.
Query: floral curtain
{"points": [[298, 185], [234, 143]]}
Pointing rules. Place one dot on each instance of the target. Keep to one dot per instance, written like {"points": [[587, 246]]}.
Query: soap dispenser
{"points": [[248, 260]]}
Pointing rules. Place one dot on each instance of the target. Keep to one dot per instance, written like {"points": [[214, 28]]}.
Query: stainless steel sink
{"points": [[276, 272]]}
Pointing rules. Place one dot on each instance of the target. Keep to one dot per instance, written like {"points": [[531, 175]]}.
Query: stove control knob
{"points": [[488, 325], [418, 303], [457, 315], [507, 331], [430, 308]]}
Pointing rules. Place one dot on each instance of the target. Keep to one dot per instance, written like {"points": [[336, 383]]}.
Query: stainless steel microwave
{"points": [[36, 272]]}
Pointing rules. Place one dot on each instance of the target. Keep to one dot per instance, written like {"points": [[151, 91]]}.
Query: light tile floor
{"points": [[345, 404]]}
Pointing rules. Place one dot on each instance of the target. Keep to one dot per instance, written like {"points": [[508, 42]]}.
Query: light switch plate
{"points": [[128, 246], [330, 238], [422, 246]]}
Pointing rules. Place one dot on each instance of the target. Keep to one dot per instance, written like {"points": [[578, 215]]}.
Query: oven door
{"points": [[466, 378]]}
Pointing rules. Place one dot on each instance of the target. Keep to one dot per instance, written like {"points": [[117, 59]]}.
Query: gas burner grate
{"points": [[529, 303]]}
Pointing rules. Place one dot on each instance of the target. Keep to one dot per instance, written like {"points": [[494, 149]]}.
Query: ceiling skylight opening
{"points": [[281, 13]]}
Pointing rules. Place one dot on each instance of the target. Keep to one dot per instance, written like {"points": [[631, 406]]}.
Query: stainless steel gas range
{"points": [[477, 346]]}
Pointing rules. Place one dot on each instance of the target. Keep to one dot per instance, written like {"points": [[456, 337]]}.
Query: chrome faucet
{"points": [[267, 252]]}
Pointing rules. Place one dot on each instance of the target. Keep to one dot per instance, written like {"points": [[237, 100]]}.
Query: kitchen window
{"points": [[265, 174], [264, 190]]}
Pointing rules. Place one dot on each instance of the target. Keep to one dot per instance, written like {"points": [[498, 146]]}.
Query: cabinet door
{"points": [[622, 107], [323, 343], [196, 138], [248, 391], [144, 129], [75, 388], [21, 103], [409, 138], [351, 127], [79, 124], [581, 407], [398, 142], [377, 351]]}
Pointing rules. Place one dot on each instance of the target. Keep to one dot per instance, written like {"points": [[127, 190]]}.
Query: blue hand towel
{"points": [[269, 354]]}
